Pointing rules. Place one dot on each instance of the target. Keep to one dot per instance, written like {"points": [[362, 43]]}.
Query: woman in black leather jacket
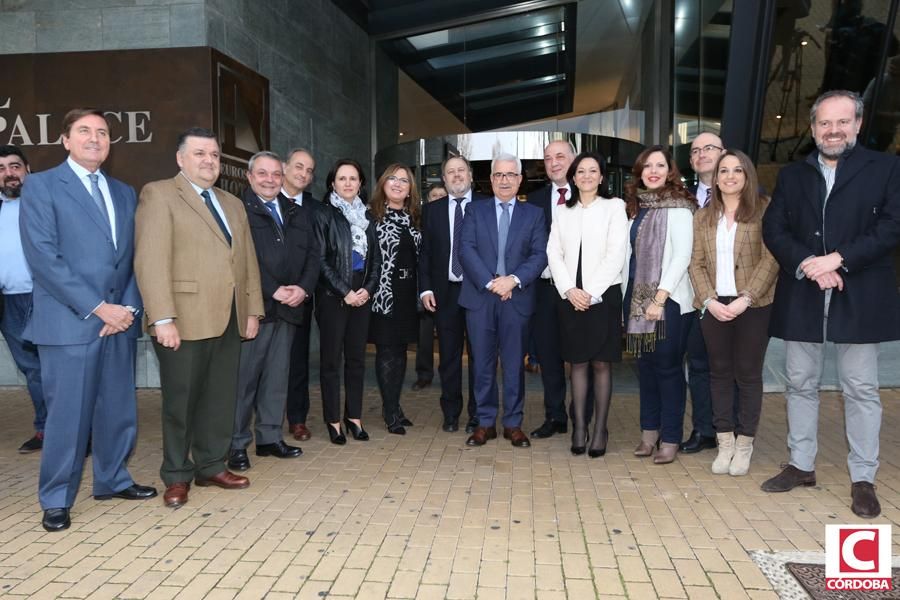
{"points": [[351, 267]]}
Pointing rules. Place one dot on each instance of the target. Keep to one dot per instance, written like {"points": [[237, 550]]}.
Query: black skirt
{"points": [[594, 334]]}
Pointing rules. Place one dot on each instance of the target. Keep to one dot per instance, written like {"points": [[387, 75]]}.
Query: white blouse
{"points": [[725, 285]]}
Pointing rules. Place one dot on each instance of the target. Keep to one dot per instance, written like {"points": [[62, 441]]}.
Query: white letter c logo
{"points": [[848, 554]]}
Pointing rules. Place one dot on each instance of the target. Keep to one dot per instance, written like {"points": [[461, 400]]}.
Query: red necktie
{"points": [[562, 196]]}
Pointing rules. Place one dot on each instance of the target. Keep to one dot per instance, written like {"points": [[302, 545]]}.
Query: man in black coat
{"points": [[288, 256], [833, 225], [440, 282]]}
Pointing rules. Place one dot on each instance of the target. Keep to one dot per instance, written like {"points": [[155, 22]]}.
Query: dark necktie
{"points": [[562, 195], [274, 210], [502, 233], [208, 201], [97, 195], [456, 265]]}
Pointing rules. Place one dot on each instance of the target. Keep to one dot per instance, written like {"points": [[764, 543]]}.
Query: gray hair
{"points": [[294, 151], [853, 96], [505, 156], [263, 154]]}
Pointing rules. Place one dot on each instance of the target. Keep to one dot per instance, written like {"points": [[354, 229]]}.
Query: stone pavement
{"points": [[424, 516]]}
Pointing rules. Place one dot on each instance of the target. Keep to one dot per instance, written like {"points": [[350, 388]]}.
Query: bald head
{"points": [[705, 151], [558, 156]]}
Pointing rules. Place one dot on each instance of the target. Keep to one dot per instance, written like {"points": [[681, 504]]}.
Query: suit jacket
{"points": [[541, 198], [434, 256], [74, 263], [287, 254], [755, 268], [526, 253], [184, 265], [861, 221]]}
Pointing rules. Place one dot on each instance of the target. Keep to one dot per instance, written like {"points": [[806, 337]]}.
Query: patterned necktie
{"points": [[97, 195], [456, 265], [208, 201], [562, 195], [502, 233], [274, 210]]}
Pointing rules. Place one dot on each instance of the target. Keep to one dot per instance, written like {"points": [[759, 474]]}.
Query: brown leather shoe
{"points": [[865, 502], [300, 432], [225, 480], [481, 435], [516, 437], [789, 478], [177, 494]]}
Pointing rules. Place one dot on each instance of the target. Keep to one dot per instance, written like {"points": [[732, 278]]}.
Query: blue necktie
{"points": [[457, 234], [97, 195], [208, 201], [502, 232], [274, 210]]}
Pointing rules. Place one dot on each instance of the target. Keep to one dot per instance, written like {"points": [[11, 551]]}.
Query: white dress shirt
{"points": [[725, 284], [554, 206], [451, 210], [703, 193], [83, 174], [298, 199], [215, 201]]}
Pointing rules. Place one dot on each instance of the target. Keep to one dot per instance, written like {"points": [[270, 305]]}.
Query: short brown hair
{"points": [[77, 113]]}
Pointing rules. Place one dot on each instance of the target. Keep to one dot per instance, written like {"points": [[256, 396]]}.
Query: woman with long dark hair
{"points": [[658, 301], [395, 207], [351, 267]]}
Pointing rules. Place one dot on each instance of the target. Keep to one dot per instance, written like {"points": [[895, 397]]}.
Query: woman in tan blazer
{"points": [[733, 274]]}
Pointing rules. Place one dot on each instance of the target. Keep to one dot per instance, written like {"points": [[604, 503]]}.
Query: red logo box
{"points": [[858, 557]]}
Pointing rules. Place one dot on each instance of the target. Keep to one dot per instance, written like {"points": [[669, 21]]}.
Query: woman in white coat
{"points": [[586, 251]]}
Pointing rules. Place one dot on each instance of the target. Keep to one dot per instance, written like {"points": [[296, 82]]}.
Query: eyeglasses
{"points": [[502, 176], [705, 149], [393, 179]]}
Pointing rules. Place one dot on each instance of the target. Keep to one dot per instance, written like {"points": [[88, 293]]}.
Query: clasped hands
{"points": [[727, 312], [116, 318], [824, 270], [291, 295], [503, 286], [579, 298], [356, 298]]}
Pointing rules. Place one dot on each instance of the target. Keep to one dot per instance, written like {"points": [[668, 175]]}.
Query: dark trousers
{"points": [[24, 353], [661, 378], [425, 347], [198, 383], [343, 334], [450, 321], [390, 371], [698, 380], [297, 407], [545, 333], [262, 384], [737, 352]]}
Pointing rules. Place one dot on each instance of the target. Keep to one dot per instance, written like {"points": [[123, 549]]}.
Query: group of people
{"points": [[227, 288]]}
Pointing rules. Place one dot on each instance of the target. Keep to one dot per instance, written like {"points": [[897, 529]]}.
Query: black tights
{"points": [[390, 371], [602, 399]]}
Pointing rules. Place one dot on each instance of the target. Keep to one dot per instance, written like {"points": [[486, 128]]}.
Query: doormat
{"points": [[812, 578]]}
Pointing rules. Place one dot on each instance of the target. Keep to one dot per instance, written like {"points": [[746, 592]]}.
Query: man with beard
{"points": [[440, 282], [833, 225], [16, 284]]}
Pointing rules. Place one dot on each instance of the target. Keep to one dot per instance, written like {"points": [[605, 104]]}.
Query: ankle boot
{"points": [[648, 441], [726, 451], [666, 453], [743, 450]]}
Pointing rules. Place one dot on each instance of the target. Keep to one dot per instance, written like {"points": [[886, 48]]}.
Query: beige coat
{"points": [[185, 269]]}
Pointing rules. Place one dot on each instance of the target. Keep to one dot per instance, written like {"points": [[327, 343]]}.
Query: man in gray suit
{"points": [[77, 227]]}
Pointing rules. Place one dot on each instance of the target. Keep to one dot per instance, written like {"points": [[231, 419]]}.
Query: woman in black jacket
{"points": [[351, 267]]}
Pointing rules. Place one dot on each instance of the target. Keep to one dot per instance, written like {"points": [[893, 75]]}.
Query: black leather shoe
{"points": [[56, 519], [548, 429], [337, 436], [471, 425], [238, 460], [789, 478], [132, 492], [697, 442], [359, 434], [450, 425], [35, 444], [421, 384], [404, 421], [396, 428], [865, 502], [279, 450]]}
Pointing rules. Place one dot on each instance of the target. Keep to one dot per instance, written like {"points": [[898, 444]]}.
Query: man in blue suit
{"points": [[503, 250], [77, 228]]}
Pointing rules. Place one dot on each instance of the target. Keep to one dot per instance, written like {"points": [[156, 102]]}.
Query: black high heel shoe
{"points": [[598, 452], [578, 450], [359, 434], [337, 436]]}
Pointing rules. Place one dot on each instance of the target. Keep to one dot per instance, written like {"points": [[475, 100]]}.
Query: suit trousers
{"points": [[344, 334], [263, 384], [545, 331], [699, 380], [497, 329], [425, 347], [24, 353], [198, 383], [88, 387], [450, 321], [737, 352], [297, 407], [661, 378]]}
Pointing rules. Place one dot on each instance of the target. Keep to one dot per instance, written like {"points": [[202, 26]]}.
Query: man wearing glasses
{"points": [[503, 250]]}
